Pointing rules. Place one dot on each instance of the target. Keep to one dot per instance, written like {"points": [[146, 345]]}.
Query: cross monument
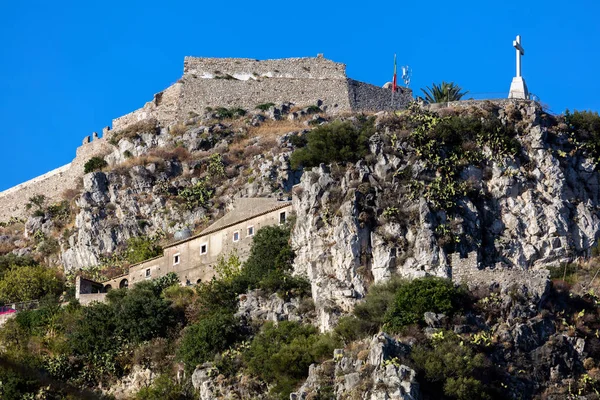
{"points": [[518, 88]]}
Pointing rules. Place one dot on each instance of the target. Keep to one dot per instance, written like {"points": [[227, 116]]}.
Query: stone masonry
{"points": [[467, 270], [247, 83]]}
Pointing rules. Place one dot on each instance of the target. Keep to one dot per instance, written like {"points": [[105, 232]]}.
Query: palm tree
{"points": [[442, 93]]}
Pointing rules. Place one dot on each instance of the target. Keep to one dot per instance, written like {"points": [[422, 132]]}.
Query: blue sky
{"points": [[67, 68]]}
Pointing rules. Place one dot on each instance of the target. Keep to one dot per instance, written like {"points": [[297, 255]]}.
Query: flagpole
{"points": [[394, 82]]}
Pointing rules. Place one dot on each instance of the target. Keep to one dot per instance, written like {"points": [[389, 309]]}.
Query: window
{"points": [[147, 272], [282, 217], [250, 230], [204, 248], [176, 259], [236, 236]]}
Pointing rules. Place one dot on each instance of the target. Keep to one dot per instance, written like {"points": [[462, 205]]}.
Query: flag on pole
{"points": [[394, 85]]}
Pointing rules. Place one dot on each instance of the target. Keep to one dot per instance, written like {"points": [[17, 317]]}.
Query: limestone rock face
{"points": [[255, 306], [129, 201], [130, 384], [379, 376], [536, 210]]}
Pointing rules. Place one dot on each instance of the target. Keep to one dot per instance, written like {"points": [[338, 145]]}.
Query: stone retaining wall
{"points": [[467, 271]]}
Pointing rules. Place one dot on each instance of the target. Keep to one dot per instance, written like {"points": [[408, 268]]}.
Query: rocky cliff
{"points": [[502, 186]]}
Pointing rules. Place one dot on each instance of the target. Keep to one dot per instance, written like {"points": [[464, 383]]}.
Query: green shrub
{"points": [[164, 388], [142, 314], [585, 126], [281, 354], [270, 251], [10, 260], [94, 164], [204, 339], [94, 331], [223, 113], [265, 106], [197, 195], [452, 369], [142, 248], [29, 283], [421, 295], [334, 142]]}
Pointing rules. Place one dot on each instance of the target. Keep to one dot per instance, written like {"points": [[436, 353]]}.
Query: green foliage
{"points": [[313, 109], [197, 195], [223, 113], [142, 314], [452, 369], [421, 295], [211, 335], [94, 331], [228, 268], [334, 142], [164, 388], [443, 92], [446, 145], [270, 262], [59, 212], [216, 167], [165, 281], [29, 283], [265, 106], [584, 126], [12, 261], [142, 248], [281, 354], [180, 296], [38, 200], [94, 164]]}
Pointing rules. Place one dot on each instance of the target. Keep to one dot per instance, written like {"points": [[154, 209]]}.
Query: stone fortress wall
{"points": [[52, 184], [246, 83]]}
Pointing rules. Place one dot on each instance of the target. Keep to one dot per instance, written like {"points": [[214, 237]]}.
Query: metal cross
{"points": [[520, 52]]}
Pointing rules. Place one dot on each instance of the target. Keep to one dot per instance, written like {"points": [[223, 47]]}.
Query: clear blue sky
{"points": [[67, 68]]}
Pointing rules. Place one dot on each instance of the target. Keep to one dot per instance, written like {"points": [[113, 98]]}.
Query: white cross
{"points": [[520, 52]]}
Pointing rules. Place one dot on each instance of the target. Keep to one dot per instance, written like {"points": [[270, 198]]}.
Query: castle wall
{"points": [[164, 107], [246, 68], [246, 83], [52, 184], [367, 97], [201, 93]]}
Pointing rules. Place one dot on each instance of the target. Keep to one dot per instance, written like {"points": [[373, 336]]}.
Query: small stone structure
{"points": [[247, 83], [467, 270], [193, 259]]}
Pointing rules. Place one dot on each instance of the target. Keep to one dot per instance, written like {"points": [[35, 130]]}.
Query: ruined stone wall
{"points": [[52, 184], [246, 83], [467, 271], [164, 107], [246, 68], [201, 93], [366, 97]]}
